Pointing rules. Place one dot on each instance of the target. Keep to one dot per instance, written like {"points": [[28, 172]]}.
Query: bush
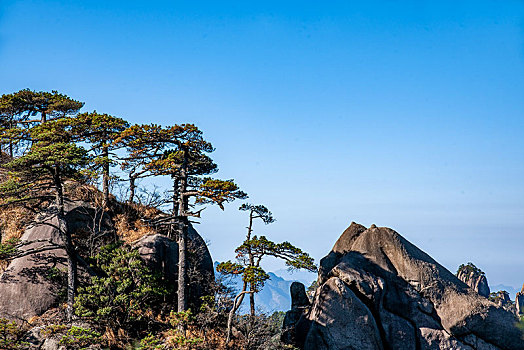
{"points": [[127, 294], [73, 337], [150, 342], [8, 248], [11, 335], [261, 332]]}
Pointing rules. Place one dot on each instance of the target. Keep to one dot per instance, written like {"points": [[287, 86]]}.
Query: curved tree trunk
{"points": [[236, 304]]}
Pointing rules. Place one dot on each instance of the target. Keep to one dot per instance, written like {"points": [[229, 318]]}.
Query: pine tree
{"points": [[186, 164], [28, 108], [144, 143], [39, 175], [100, 131], [178, 151], [250, 255]]}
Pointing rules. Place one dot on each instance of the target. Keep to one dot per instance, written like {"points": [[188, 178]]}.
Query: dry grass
{"points": [[82, 192], [13, 221], [130, 231]]}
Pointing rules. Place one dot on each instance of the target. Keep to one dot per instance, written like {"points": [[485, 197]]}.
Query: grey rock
{"points": [[52, 343], [519, 302], [439, 339], [399, 333], [475, 279], [161, 254], [299, 297], [295, 323], [341, 320], [33, 338], [377, 290], [31, 284]]}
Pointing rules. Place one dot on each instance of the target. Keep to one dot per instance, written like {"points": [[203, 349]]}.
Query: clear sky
{"points": [[407, 114]]}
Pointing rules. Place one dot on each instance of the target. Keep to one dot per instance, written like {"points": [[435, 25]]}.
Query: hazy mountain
{"points": [[303, 276], [275, 294]]}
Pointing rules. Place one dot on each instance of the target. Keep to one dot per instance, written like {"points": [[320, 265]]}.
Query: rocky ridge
{"points": [[379, 291]]}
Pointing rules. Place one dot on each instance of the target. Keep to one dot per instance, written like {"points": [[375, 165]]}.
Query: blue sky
{"points": [[407, 114]]}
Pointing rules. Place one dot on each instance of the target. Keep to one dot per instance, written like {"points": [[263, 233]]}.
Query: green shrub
{"points": [[73, 337], [127, 292], [8, 248], [11, 335], [150, 342]]}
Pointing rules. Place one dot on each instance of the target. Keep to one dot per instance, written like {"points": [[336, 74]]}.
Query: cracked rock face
{"points": [[379, 291]]}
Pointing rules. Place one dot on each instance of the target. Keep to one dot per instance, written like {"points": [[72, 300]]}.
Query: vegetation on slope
{"points": [[51, 153]]}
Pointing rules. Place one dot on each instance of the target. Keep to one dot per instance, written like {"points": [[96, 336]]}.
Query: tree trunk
{"points": [[63, 231], [175, 195], [132, 187], [251, 300], [182, 269], [182, 237], [71, 282], [105, 179], [236, 304], [251, 263], [44, 117], [176, 207]]}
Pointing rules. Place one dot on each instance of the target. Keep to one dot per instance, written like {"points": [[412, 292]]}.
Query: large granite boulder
{"points": [[474, 278], [34, 281], [379, 291], [161, 254]]}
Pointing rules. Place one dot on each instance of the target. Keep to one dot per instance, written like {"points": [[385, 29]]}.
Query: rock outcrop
{"points": [[474, 278], [519, 302], [379, 291], [501, 298], [161, 254], [33, 282], [295, 321]]}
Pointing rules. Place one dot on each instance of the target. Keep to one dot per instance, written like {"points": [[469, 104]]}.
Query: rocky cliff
{"points": [[379, 291], [474, 278]]}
